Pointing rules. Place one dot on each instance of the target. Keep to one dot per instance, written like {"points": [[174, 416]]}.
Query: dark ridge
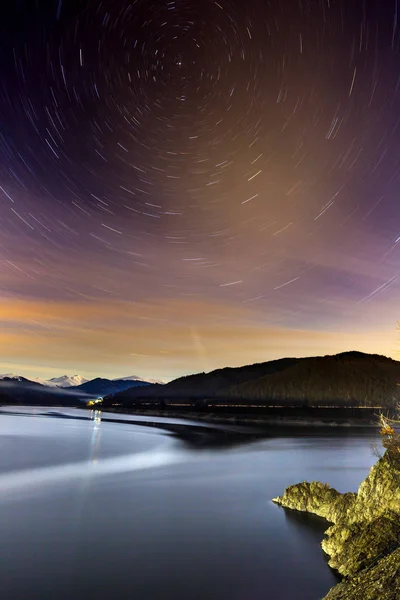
{"points": [[103, 387], [348, 379]]}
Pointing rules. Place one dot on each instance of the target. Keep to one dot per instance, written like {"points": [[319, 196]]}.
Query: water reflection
{"points": [[307, 526], [95, 416]]}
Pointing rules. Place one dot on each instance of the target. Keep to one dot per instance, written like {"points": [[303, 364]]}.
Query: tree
{"points": [[390, 436]]}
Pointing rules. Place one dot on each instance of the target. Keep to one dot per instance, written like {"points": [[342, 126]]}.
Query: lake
{"points": [[97, 506]]}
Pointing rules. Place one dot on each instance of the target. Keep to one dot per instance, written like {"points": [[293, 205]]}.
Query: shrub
{"points": [[390, 437]]}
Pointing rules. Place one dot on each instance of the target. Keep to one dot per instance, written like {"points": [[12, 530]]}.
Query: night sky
{"points": [[192, 184]]}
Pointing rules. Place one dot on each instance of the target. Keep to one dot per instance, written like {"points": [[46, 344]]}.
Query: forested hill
{"points": [[347, 379], [206, 385]]}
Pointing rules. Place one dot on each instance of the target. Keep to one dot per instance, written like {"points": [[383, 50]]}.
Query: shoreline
{"points": [[277, 420], [362, 536], [276, 417]]}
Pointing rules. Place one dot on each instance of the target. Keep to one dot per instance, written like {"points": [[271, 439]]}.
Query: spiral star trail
{"points": [[186, 185]]}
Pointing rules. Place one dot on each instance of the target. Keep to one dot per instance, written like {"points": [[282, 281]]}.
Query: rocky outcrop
{"points": [[317, 498], [380, 582], [363, 542]]}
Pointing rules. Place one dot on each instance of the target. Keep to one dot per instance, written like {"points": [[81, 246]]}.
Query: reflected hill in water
{"points": [[195, 435]]}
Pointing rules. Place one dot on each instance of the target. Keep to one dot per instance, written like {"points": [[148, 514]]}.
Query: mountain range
{"points": [[349, 379], [65, 389]]}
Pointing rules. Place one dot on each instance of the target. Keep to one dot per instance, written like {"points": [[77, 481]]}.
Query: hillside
{"points": [[206, 385], [18, 390], [102, 387], [350, 379], [347, 379]]}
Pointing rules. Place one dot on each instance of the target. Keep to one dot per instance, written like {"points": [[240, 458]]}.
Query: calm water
{"points": [[93, 509]]}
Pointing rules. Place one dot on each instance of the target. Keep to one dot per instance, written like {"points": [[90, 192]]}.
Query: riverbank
{"points": [[363, 540]]}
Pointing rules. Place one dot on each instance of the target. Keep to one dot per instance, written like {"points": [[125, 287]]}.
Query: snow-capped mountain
{"points": [[56, 382], [19, 382], [78, 383], [12, 376], [66, 381], [44, 382]]}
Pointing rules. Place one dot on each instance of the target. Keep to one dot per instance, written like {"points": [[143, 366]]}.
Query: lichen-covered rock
{"points": [[365, 530], [317, 498], [379, 492], [380, 582], [352, 548]]}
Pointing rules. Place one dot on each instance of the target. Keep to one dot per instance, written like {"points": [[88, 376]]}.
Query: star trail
{"points": [[186, 185]]}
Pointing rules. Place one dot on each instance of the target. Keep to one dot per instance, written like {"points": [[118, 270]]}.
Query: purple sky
{"points": [[186, 185]]}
